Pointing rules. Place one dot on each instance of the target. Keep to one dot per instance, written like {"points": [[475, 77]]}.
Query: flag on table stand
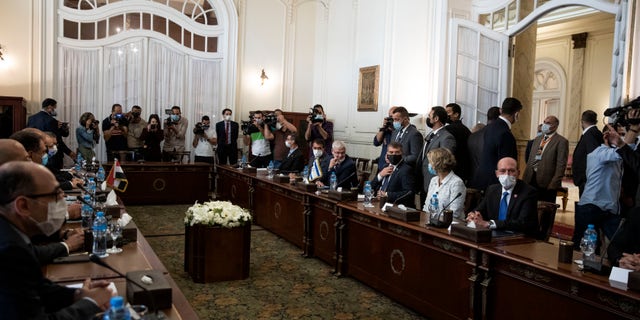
{"points": [[116, 178], [316, 171]]}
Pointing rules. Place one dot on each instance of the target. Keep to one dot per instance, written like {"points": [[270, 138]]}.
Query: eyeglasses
{"points": [[56, 193]]}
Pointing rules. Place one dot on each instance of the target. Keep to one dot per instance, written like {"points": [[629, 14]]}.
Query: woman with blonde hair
{"points": [[446, 184]]}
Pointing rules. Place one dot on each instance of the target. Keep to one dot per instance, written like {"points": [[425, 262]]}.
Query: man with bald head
{"points": [[12, 150], [547, 161], [31, 202], [509, 205]]}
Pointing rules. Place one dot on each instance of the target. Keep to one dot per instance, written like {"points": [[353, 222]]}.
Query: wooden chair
{"points": [[564, 193], [472, 199], [546, 218]]}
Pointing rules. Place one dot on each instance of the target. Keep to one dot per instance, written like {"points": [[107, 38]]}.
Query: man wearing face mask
{"points": [[461, 133], [294, 161], [509, 205], [136, 125], [383, 137], [407, 135], [318, 127], [395, 180], [115, 130], [317, 159], [204, 138], [30, 203], [227, 132], [45, 121], [546, 164], [66, 179], [258, 138], [281, 131], [342, 165], [499, 143], [175, 129]]}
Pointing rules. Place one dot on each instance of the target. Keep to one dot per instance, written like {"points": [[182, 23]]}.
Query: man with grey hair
{"points": [[342, 165], [31, 202]]}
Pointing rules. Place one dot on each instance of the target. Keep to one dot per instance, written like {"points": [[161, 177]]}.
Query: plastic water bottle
{"points": [[100, 175], [79, 160], [243, 162], [117, 310], [368, 194], [87, 213], [588, 243], [333, 181], [100, 235], [270, 170], [305, 174], [91, 186], [434, 204]]}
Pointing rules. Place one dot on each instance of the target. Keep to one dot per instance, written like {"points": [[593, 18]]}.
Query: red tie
{"points": [[226, 132]]}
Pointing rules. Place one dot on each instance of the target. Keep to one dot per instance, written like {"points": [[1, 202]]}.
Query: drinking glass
{"points": [[115, 230]]}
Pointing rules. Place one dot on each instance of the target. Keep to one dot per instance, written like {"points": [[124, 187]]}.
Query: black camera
{"points": [[94, 124], [388, 124], [200, 128], [248, 127], [121, 119], [618, 115], [315, 116], [271, 119], [154, 126]]}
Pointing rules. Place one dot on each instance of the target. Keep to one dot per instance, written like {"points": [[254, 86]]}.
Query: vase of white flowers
{"points": [[217, 242]]}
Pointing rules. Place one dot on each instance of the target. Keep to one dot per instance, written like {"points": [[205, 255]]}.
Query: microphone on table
{"points": [[81, 199], [402, 197], [97, 260], [597, 266], [450, 202], [101, 198], [345, 179]]}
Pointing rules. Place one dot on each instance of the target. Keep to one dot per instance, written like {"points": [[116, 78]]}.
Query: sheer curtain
{"points": [[166, 77], [79, 81], [124, 75], [203, 93]]}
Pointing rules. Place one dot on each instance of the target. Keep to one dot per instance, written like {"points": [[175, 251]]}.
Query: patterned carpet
{"points": [[282, 284]]}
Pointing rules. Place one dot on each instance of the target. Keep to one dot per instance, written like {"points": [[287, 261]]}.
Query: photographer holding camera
{"points": [[204, 138], [383, 137], [258, 135], [281, 129], [88, 135], [175, 129], [45, 121], [319, 128], [115, 130], [151, 137], [136, 125]]}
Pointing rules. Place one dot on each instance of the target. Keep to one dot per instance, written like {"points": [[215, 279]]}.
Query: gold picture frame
{"points": [[368, 84]]}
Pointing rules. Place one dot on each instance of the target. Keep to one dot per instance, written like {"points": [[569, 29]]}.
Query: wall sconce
{"points": [[1, 52], [263, 77]]}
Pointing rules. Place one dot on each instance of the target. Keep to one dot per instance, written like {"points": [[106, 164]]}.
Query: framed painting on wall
{"points": [[368, 88]]}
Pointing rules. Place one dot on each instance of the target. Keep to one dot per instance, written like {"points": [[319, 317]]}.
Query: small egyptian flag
{"points": [[316, 171], [116, 178]]}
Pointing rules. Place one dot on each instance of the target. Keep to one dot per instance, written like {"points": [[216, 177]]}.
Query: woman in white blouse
{"points": [[446, 183]]}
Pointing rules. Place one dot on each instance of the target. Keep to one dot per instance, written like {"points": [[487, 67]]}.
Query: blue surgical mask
{"points": [[175, 117], [397, 125], [432, 170], [45, 159], [546, 128], [53, 150]]}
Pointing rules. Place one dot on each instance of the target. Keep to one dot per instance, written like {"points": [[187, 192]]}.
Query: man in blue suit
{"points": [[499, 143], [342, 165], [395, 180], [45, 121]]}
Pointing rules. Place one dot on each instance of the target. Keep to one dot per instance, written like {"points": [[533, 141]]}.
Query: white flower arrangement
{"points": [[217, 214]]}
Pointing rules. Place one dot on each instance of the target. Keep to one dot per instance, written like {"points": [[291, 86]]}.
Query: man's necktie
{"points": [[226, 132], [399, 136], [502, 214]]}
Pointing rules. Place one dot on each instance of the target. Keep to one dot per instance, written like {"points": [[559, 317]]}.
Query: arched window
{"points": [[151, 53]]}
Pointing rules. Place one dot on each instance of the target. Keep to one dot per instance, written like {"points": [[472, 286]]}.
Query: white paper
{"points": [[471, 224], [112, 199], [111, 287], [620, 275], [124, 219]]}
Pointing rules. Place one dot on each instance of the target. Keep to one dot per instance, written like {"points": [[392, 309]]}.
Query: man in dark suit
{"points": [[624, 250], [343, 166], [475, 142], [509, 205], [45, 121], [26, 200], [294, 161], [499, 143], [227, 131], [407, 134], [395, 180], [461, 133], [438, 138], [591, 138], [547, 161]]}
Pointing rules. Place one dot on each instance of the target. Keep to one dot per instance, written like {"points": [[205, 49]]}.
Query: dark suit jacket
{"points": [[233, 126], [442, 139], [24, 292], [293, 162], [45, 122], [346, 173], [628, 238], [590, 140], [411, 142], [498, 143], [552, 165], [461, 133], [522, 213], [400, 185], [475, 143]]}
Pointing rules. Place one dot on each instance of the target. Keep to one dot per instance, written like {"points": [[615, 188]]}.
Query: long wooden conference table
{"points": [[427, 269], [135, 256]]}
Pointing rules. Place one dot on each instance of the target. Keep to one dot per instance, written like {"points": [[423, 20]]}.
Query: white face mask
{"points": [[56, 213], [227, 117], [317, 153], [288, 144], [53, 150], [507, 181]]}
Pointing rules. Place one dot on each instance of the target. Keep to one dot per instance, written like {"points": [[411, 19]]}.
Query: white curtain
{"points": [[79, 80], [123, 75], [204, 90], [166, 77]]}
